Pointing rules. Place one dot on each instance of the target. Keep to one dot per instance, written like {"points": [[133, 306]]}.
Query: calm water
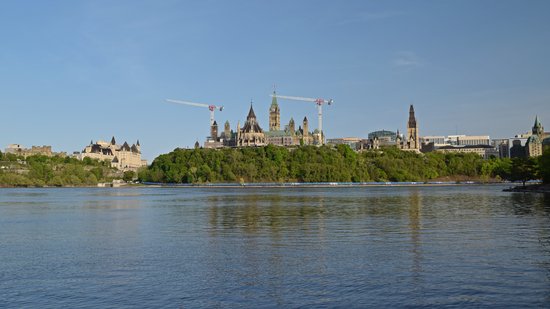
{"points": [[293, 247]]}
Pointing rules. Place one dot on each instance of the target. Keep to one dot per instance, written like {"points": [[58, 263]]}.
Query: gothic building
{"points": [[289, 136], [412, 141], [251, 133], [123, 157]]}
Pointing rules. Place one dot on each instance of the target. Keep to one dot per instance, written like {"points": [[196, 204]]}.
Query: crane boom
{"points": [[210, 107], [319, 102]]}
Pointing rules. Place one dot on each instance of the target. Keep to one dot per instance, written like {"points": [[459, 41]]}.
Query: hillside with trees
{"points": [[319, 164], [40, 171]]}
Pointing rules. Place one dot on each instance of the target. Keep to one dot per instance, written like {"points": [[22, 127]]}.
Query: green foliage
{"points": [[42, 171], [128, 176], [317, 164], [544, 165], [523, 169]]}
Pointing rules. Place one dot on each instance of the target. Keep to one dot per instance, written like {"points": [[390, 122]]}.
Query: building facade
{"points": [[18, 149], [251, 133], [486, 151], [123, 157]]}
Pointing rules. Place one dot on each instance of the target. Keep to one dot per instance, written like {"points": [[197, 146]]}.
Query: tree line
{"points": [[40, 170], [331, 164]]}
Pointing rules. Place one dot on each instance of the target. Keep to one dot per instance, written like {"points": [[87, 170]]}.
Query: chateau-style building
{"points": [[123, 157], [533, 147]]}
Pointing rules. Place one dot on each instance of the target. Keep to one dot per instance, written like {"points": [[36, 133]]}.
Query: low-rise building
{"points": [[486, 151], [20, 150]]}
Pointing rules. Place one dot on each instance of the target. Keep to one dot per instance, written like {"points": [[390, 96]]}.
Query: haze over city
{"points": [[72, 72]]}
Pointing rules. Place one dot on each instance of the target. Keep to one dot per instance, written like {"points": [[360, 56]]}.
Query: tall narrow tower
{"points": [[413, 141], [227, 130], [274, 115], [214, 131], [306, 127]]}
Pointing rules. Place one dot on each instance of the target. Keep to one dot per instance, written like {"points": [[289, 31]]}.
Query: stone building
{"points": [[251, 133], [290, 136], [533, 147], [486, 151], [412, 141], [123, 157], [20, 150]]}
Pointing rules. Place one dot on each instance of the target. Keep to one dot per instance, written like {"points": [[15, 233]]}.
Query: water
{"points": [[468, 246]]}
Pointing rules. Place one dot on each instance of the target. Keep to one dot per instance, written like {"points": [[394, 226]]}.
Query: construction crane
{"points": [[210, 107], [317, 101]]}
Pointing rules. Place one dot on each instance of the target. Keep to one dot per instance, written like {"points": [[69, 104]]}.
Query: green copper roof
{"points": [[274, 100], [537, 123]]}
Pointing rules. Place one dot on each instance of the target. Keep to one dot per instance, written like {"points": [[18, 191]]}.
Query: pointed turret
{"points": [[274, 103], [412, 119], [291, 126], [537, 127], [251, 114], [138, 143], [113, 142]]}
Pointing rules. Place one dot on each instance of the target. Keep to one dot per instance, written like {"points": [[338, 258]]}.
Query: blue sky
{"points": [[73, 71]]}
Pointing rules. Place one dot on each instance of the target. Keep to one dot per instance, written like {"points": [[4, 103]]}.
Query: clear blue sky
{"points": [[73, 71]]}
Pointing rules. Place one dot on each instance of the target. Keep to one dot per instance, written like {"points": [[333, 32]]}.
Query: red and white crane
{"points": [[210, 107], [317, 101]]}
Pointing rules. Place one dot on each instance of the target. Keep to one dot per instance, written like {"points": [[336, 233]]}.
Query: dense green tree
{"points": [[317, 164], [128, 176], [544, 165], [39, 170], [523, 169]]}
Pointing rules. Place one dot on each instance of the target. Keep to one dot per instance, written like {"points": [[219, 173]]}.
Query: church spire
{"points": [[251, 114], [412, 118]]}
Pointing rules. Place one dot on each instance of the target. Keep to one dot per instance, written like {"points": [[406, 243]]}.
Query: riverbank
{"points": [[536, 188], [273, 185], [317, 184]]}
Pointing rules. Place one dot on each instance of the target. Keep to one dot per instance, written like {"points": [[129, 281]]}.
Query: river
{"points": [[350, 247]]}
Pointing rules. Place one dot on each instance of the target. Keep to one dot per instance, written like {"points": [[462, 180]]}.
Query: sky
{"points": [[75, 71]]}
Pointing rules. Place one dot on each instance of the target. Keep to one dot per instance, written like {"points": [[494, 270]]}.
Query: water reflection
{"points": [[415, 208], [345, 247]]}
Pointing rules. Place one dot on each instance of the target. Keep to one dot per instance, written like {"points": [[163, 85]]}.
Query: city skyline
{"points": [[79, 71]]}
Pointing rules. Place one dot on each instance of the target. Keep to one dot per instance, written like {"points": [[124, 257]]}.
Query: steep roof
{"points": [[274, 104], [125, 147], [251, 125], [251, 114], [113, 142], [412, 118]]}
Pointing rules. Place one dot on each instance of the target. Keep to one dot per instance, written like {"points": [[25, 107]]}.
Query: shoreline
{"points": [[278, 185], [532, 188]]}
